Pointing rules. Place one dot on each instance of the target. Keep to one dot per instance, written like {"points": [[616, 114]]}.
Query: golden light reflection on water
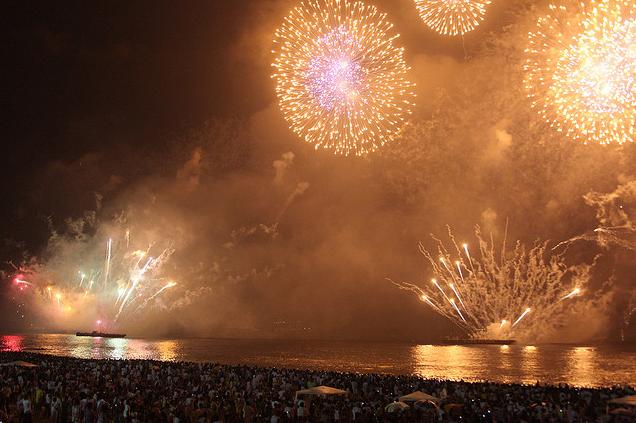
{"points": [[601, 365], [167, 350], [442, 362], [582, 366], [506, 365], [120, 348], [530, 365]]}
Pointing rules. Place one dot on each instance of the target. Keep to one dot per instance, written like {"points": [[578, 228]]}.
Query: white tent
{"points": [[418, 396], [321, 390]]}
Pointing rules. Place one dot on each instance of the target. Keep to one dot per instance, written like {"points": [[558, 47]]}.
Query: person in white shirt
{"points": [[300, 411], [27, 413]]}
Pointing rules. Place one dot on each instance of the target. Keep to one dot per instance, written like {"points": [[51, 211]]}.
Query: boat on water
{"points": [[96, 334], [469, 341]]}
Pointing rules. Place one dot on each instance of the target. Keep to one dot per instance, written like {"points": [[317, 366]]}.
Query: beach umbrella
{"points": [[418, 396], [321, 390], [396, 406]]}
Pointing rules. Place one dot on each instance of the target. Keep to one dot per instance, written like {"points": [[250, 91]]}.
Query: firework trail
{"points": [[301, 187], [580, 71], [101, 276], [519, 293], [341, 81], [452, 17], [604, 237]]}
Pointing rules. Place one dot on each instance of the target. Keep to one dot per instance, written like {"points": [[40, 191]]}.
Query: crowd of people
{"points": [[62, 389]]}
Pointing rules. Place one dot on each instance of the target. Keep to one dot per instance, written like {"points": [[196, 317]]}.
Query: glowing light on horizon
{"points": [[341, 81], [580, 71], [452, 17]]}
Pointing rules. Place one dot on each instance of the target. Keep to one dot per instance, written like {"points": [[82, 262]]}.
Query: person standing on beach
{"points": [[56, 408], [27, 416], [300, 412], [75, 411], [102, 408]]}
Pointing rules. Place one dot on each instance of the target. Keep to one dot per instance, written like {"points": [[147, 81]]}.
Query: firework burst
{"points": [[521, 293], [111, 278], [580, 71], [340, 79], [452, 17]]}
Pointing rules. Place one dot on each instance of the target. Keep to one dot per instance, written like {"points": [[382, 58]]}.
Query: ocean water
{"points": [[594, 365]]}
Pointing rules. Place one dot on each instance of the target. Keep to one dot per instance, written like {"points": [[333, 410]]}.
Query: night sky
{"points": [[94, 78], [115, 98]]}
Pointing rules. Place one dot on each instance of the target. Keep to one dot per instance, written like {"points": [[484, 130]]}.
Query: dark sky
{"points": [[92, 77], [141, 64]]}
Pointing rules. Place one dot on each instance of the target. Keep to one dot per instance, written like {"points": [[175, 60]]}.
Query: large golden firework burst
{"points": [[341, 81], [580, 71], [452, 17]]}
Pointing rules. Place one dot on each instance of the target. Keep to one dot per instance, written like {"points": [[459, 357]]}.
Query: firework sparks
{"points": [[581, 70], [156, 294], [520, 318], [574, 293], [109, 252], [340, 79], [452, 17], [491, 296], [113, 276]]}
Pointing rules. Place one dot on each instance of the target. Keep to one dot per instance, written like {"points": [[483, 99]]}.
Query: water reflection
{"points": [[11, 343], [582, 369], [505, 357], [447, 362], [167, 350], [588, 366], [120, 348], [529, 364]]}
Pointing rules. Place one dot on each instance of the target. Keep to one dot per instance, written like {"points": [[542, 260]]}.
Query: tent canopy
{"points": [[630, 400], [321, 390], [19, 364], [418, 396]]}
